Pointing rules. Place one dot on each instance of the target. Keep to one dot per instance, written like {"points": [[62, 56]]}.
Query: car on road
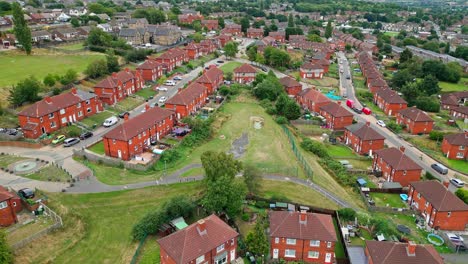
{"points": [[439, 168], [70, 142], [381, 123], [177, 78], [219, 61], [162, 100], [122, 115], [454, 238], [458, 183], [348, 77], [110, 121], [170, 83], [58, 139], [86, 135], [26, 193], [162, 89], [264, 69], [152, 105], [357, 110]]}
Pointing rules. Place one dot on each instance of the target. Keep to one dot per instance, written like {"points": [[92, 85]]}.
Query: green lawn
{"points": [[333, 70], [49, 173], [146, 93], [149, 253], [20, 233], [193, 172], [339, 247], [230, 66], [454, 87], [128, 104], [73, 47], [6, 160], [311, 130], [98, 148], [390, 199], [391, 33], [339, 151], [96, 119], [40, 63]]}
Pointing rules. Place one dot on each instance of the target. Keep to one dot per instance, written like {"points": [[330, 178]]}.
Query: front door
{"points": [[43, 130], [119, 154], [275, 253], [328, 258], [233, 255]]}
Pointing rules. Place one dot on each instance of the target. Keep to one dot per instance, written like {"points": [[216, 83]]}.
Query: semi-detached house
{"points": [[52, 113], [150, 70], [337, 117], [389, 252], [389, 101], [394, 166], [455, 146], [212, 79], [118, 86], [363, 139], [189, 100], [245, 74], [291, 86], [415, 121], [311, 99]]}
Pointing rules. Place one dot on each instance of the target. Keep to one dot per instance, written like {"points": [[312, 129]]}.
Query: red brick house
{"points": [[387, 252], [455, 146], [297, 41], [311, 70], [210, 24], [302, 236], [337, 116], [255, 33], [395, 166], [415, 120], [187, 101], [455, 99], [376, 84], [209, 240], [363, 139], [279, 36], [193, 50], [52, 113], [150, 70], [440, 207], [223, 39], [245, 73], [189, 18], [133, 136], [232, 29], [118, 86], [172, 58], [311, 99], [389, 101], [291, 86], [212, 79], [208, 46], [460, 112], [10, 205]]}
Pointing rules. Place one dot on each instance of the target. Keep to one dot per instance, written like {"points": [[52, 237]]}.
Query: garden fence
{"points": [[138, 250], [307, 169], [390, 210], [84, 153]]}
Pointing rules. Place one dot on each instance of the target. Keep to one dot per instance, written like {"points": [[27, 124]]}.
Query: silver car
{"points": [[70, 142]]}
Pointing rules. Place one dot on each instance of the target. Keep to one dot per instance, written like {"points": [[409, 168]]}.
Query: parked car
{"points": [[458, 183], [177, 78], [110, 121], [381, 123], [366, 111], [163, 99], [454, 238], [122, 115], [162, 89], [86, 135], [170, 83], [70, 142], [152, 105], [264, 69], [440, 168], [220, 61], [348, 77], [26, 193], [58, 139], [357, 110]]}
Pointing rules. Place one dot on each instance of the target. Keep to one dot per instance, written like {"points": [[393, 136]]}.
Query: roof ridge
{"points": [[284, 219], [389, 253]]}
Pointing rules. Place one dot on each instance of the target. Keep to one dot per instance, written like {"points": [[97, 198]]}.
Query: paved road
{"points": [[391, 139]]}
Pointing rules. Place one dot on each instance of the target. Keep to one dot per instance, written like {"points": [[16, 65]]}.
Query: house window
{"points": [[62, 111], [427, 204], [220, 248], [52, 124], [87, 102], [3, 205], [136, 148], [462, 147], [449, 214], [80, 113], [290, 253], [276, 240], [419, 196], [329, 244], [315, 243], [139, 136], [200, 259], [313, 254], [459, 155], [88, 110], [404, 172], [291, 241], [40, 119], [113, 141], [78, 105], [51, 115], [130, 142]]}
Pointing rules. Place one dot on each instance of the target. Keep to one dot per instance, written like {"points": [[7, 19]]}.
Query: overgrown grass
{"points": [[146, 93], [24, 231], [390, 199], [454, 87], [49, 173], [6, 160], [230, 66], [128, 104], [98, 148]]}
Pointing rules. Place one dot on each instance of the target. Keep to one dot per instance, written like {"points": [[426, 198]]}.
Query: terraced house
{"points": [[52, 113], [212, 79], [134, 136], [189, 100], [172, 58], [415, 121], [312, 100], [337, 117], [302, 236], [394, 166], [455, 146], [150, 70], [363, 139], [118, 86], [389, 101], [291, 86]]}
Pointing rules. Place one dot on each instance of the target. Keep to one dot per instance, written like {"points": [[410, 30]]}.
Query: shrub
{"points": [[245, 217], [281, 120], [436, 135], [366, 95], [347, 214], [428, 104], [270, 110], [56, 91], [315, 147], [261, 204], [429, 176], [170, 155], [395, 127], [462, 194]]}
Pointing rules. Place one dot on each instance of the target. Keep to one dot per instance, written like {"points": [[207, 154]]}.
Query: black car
{"points": [[264, 69], [357, 110], [26, 193], [86, 135], [220, 61], [122, 115]]}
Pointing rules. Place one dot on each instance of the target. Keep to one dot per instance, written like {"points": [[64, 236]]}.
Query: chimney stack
{"points": [[126, 117], [411, 248], [179, 90], [127, 70], [48, 100], [367, 123], [303, 217], [446, 184], [339, 103], [73, 90], [147, 107], [114, 75], [402, 149], [201, 227]]}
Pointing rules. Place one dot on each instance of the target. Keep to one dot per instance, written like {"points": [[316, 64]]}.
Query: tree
{"points": [[257, 241], [245, 24], [69, 77], [21, 29], [49, 80], [219, 163], [4, 6], [292, 110], [252, 178], [435, 68], [75, 22], [96, 69], [97, 37], [347, 214], [314, 38], [228, 76], [252, 52], [454, 72], [447, 48], [196, 25], [281, 104], [221, 22], [401, 78], [411, 91], [176, 10], [405, 55], [112, 61], [461, 52], [429, 85], [290, 20], [197, 37], [26, 90], [269, 89], [230, 49], [6, 255], [328, 30]]}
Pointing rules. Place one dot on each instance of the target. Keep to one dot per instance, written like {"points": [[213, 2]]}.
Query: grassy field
{"points": [[146, 93], [49, 173], [73, 47], [391, 33], [128, 104], [6, 160], [98, 148], [390, 199], [230, 66], [39, 64], [97, 119], [454, 87]]}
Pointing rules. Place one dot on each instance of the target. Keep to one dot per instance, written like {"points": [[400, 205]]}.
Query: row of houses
{"points": [[359, 44], [293, 236]]}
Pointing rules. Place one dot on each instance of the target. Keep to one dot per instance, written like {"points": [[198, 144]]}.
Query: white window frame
{"points": [[3, 205], [276, 240], [62, 111], [329, 244], [200, 259], [220, 248], [52, 124], [290, 241], [315, 243], [313, 254], [51, 115], [290, 253]]}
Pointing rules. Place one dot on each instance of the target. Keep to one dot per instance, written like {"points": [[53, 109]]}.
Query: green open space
{"points": [[8, 120], [340, 151], [6, 160], [360, 240], [146, 93], [72, 47], [310, 130], [41, 223], [391, 33], [454, 87], [388, 199], [230, 66], [49, 173], [41, 63], [96, 119], [98, 148], [128, 104], [333, 71]]}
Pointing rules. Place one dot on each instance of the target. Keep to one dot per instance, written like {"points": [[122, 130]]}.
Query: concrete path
{"points": [[461, 258]]}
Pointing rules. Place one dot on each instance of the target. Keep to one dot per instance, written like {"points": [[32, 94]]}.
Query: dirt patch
{"points": [[239, 146]]}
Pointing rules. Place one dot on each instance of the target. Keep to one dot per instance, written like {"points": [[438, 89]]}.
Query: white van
{"points": [[170, 83], [110, 121]]}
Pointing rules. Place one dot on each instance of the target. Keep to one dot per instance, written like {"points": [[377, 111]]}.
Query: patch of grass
{"points": [[310, 130], [128, 104], [6, 160], [325, 82], [391, 33], [146, 93], [333, 70], [230, 66], [8, 120], [49, 173], [24, 231], [393, 200], [96, 119], [69, 131], [149, 253], [98, 148], [73, 47], [41, 63], [339, 151], [193, 172], [339, 247], [454, 87]]}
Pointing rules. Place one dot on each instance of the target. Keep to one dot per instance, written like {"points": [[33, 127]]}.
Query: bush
{"points": [[245, 217], [315, 147], [428, 104], [366, 96], [56, 91], [436, 135], [281, 120], [347, 214], [429, 176], [261, 204], [462, 194], [170, 155], [270, 110], [394, 127]]}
